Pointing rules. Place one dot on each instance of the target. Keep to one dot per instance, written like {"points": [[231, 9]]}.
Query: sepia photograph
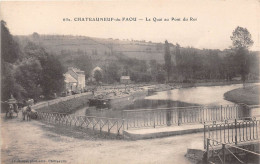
{"points": [[130, 82]]}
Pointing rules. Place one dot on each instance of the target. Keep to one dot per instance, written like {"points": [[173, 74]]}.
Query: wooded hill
{"points": [[88, 52]]}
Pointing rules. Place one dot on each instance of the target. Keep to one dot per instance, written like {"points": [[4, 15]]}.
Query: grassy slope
{"points": [[249, 95]]}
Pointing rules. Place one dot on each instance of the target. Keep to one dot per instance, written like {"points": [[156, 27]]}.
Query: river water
{"points": [[209, 95]]}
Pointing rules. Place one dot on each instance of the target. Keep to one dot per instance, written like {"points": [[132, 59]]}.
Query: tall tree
{"points": [[167, 59], [9, 55], [98, 76], [242, 41], [9, 48], [52, 79]]}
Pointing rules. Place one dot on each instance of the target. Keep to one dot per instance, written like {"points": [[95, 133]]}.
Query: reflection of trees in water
{"points": [[169, 112]]}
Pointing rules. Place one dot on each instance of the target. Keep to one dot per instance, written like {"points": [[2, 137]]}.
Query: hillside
{"points": [[134, 58], [99, 49]]}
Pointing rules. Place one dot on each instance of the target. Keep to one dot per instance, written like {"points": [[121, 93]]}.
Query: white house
{"points": [[74, 79], [125, 80]]}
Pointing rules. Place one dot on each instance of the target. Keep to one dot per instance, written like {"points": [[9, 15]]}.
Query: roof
{"points": [[69, 78], [125, 77], [76, 70]]}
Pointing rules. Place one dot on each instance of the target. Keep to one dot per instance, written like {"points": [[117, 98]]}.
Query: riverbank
{"points": [[69, 106], [213, 83], [248, 95]]}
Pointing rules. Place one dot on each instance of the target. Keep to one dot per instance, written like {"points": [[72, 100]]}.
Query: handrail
{"points": [[224, 147], [187, 107], [232, 132]]}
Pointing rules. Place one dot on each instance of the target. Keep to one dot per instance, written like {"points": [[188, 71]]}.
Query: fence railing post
{"points": [[235, 131], [224, 154], [126, 120], [221, 113], [207, 158], [204, 136], [179, 117], [154, 119]]}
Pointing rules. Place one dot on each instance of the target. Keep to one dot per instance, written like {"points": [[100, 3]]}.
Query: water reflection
{"points": [[211, 95]]}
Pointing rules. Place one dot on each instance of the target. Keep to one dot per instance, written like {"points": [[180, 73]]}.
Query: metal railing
{"points": [[221, 153], [233, 132], [180, 115], [100, 124]]}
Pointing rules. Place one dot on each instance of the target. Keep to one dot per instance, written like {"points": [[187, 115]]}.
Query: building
{"points": [[74, 79], [125, 80]]}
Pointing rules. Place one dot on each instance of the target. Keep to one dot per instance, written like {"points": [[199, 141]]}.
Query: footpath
{"points": [[158, 132]]}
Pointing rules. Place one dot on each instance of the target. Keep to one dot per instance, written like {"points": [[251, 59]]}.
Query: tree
{"points": [[52, 79], [111, 73], [28, 75], [167, 59], [9, 48], [241, 39], [98, 76], [9, 55]]}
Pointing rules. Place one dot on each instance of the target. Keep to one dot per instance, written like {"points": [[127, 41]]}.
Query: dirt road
{"points": [[41, 143]]}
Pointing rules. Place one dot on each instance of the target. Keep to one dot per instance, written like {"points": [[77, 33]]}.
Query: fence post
{"points": [[224, 155], [154, 119], [207, 158], [179, 116], [126, 120], [235, 131], [204, 136], [221, 113]]}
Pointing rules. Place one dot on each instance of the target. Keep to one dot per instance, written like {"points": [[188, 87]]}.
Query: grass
{"points": [[68, 106], [248, 95]]}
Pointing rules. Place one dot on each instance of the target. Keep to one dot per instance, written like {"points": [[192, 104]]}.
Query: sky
{"points": [[216, 19]]}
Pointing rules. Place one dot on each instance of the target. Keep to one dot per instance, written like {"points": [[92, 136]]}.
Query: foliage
{"points": [[28, 75], [84, 63], [52, 79], [9, 48], [111, 73], [241, 38], [9, 55], [167, 60], [98, 76], [27, 71]]}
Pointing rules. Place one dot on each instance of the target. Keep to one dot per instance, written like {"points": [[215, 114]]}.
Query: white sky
{"points": [[216, 20]]}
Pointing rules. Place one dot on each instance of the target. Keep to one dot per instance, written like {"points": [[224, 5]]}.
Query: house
{"points": [[74, 79], [125, 80]]}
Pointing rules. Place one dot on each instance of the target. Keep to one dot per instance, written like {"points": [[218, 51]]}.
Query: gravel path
{"points": [[41, 143]]}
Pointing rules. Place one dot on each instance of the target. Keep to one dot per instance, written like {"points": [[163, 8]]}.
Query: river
{"points": [[209, 95]]}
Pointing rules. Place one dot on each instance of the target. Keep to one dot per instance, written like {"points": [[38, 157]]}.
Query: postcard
{"points": [[120, 81]]}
